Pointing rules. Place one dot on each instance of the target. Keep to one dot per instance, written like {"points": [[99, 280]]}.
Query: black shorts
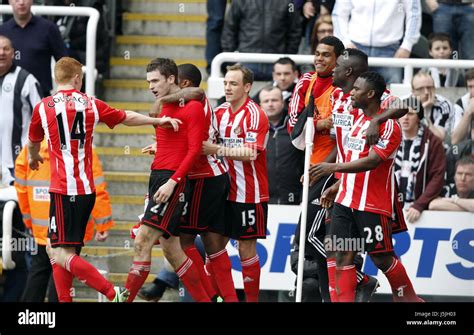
{"points": [[368, 231], [165, 217], [245, 221], [206, 206], [318, 217], [68, 218]]}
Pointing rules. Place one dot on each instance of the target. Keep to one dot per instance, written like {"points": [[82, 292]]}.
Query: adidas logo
{"points": [[154, 218], [82, 281], [248, 279], [249, 230], [378, 246]]}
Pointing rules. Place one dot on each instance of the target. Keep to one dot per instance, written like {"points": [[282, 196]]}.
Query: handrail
{"points": [[91, 34], [8, 263], [216, 85]]}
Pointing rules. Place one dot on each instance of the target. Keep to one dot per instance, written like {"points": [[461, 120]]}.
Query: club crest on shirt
{"points": [[238, 130], [251, 137], [8, 87], [355, 144], [342, 120]]}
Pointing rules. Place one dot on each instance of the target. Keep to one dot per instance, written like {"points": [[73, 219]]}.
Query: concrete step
{"points": [[135, 46], [123, 136], [118, 259], [124, 158], [90, 295], [127, 183], [181, 24], [122, 68], [128, 207], [167, 6]]}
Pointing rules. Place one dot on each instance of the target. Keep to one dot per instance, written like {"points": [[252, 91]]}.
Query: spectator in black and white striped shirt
{"points": [[439, 113], [20, 92]]}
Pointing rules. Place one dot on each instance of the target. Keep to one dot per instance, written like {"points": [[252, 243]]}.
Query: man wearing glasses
{"points": [[438, 111]]}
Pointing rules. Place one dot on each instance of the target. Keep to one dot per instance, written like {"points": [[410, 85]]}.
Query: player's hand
{"points": [[372, 132], [324, 123], [209, 148], [164, 192], [168, 122], [149, 149], [34, 162], [412, 214], [329, 195], [321, 169], [156, 108], [101, 236]]}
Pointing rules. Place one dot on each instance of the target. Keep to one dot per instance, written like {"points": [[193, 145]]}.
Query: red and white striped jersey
{"points": [[210, 165], [370, 191], [246, 127], [343, 115], [67, 120]]}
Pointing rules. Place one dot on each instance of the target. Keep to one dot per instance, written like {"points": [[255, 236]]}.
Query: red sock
{"points": [[402, 289], [136, 277], [89, 275], [189, 275], [62, 282], [251, 276], [195, 256], [346, 282], [222, 270], [210, 275], [331, 264]]}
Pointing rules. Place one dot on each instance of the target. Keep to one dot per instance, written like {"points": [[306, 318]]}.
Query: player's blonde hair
{"points": [[66, 69]]}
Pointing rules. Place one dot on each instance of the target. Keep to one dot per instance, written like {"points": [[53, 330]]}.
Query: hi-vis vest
{"points": [[33, 196], [322, 142]]}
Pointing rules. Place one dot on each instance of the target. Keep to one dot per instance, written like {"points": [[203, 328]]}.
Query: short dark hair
{"points": [[190, 72], [335, 43], [246, 72], [433, 37], [464, 160], [469, 75], [166, 66], [376, 82], [361, 60], [284, 61]]}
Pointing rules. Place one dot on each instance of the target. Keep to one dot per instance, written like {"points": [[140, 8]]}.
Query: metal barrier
{"points": [[92, 23], [216, 81]]}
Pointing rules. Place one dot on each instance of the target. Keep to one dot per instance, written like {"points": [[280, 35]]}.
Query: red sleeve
{"points": [[195, 121], [257, 128], [297, 100], [110, 116], [36, 131], [389, 141]]}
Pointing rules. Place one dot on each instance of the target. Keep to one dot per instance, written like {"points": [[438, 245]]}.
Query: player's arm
{"points": [[35, 137], [137, 119], [395, 110], [361, 165], [184, 95], [241, 153]]}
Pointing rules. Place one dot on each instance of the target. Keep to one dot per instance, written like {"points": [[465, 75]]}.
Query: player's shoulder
{"points": [[304, 81], [222, 108]]}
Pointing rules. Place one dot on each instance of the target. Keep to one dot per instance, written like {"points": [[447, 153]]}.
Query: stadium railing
{"points": [[92, 23], [216, 80]]}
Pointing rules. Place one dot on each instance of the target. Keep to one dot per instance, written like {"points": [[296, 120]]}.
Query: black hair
{"points": [[359, 59], [335, 43], [286, 60], [166, 66], [190, 72], [433, 37], [375, 81]]}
